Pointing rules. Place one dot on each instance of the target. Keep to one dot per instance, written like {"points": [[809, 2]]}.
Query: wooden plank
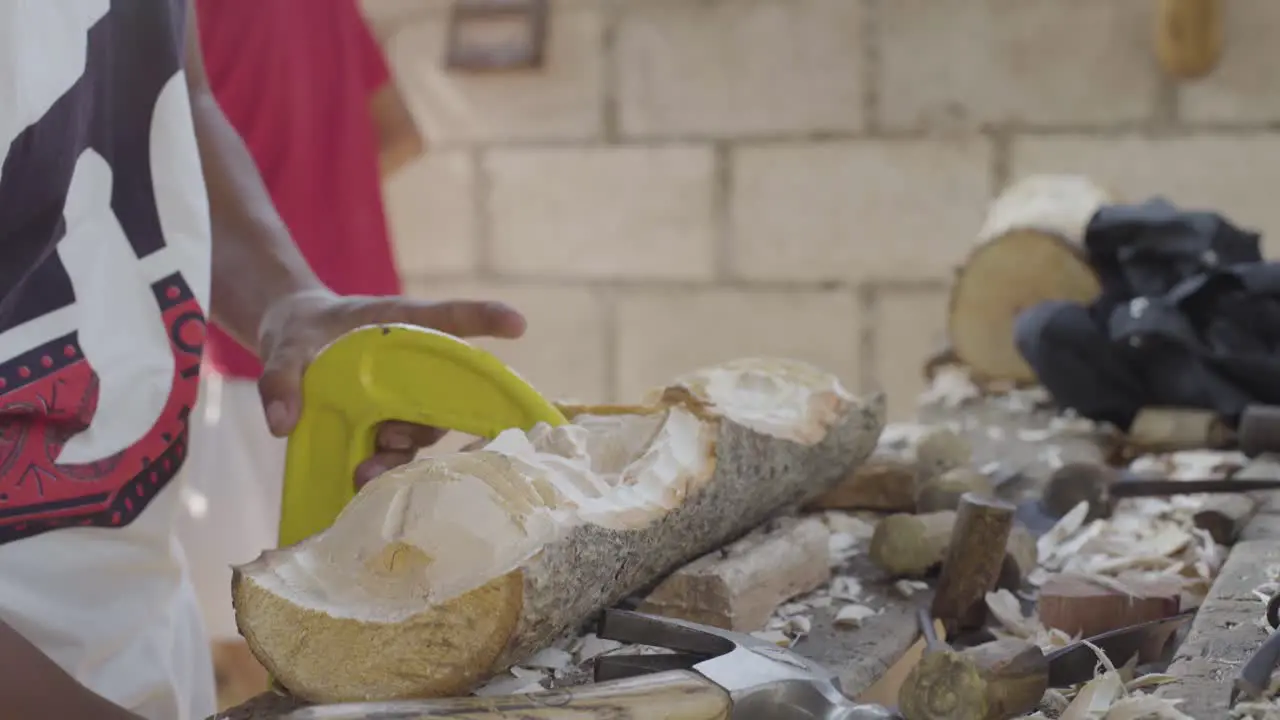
{"points": [[1225, 632]]}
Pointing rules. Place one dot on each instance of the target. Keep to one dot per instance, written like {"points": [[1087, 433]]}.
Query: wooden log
{"points": [[993, 681], [739, 587], [905, 545], [944, 491], [1021, 557], [977, 551], [882, 484], [450, 569], [1171, 429], [1189, 35], [1224, 517], [1029, 251], [1082, 606]]}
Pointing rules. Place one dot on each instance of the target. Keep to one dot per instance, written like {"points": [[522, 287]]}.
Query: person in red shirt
{"points": [[306, 85]]}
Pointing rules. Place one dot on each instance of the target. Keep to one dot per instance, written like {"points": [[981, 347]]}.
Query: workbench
{"points": [[1001, 430]]}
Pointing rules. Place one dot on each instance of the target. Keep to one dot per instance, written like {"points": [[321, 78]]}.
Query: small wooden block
{"points": [[1078, 605], [1170, 429], [739, 587], [1225, 516], [882, 484]]}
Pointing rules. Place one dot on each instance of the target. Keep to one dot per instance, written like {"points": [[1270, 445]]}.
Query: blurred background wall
{"points": [[686, 181]]}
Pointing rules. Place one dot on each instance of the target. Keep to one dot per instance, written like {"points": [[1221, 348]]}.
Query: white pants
{"points": [[231, 508]]}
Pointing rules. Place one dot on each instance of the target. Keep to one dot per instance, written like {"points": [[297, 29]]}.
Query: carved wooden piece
{"points": [[739, 587], [993, 681]]}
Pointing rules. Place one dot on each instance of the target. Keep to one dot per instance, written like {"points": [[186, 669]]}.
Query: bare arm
{"points": [[255, 262], [33, 686], [399, 141]]}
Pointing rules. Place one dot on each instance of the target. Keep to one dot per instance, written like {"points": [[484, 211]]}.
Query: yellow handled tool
{"points": [[390, 372]]}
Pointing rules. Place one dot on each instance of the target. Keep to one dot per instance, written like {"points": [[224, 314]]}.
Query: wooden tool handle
{"points": [[674, 695]]}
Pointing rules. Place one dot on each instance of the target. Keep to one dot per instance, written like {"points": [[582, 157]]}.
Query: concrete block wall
{"points": [[692, 180]]}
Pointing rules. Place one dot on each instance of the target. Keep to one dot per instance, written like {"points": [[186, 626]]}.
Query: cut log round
{"points": [[1029, 251], [451, 569]]}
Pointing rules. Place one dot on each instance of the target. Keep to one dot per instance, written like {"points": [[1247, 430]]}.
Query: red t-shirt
{"points": [[295, 79]]}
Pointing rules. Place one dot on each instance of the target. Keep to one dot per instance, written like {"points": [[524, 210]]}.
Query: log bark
{"points": [[993, 681], [976, 553], [1029, 251], [739, 587], [1225, 517], [451, 569]]}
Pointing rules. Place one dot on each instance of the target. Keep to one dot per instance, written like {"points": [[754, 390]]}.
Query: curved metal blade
{"points": [[1075, 663]]}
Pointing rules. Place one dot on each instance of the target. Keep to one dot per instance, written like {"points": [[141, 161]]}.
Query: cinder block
{"points": [[858, 210], [603, 212], [662, 332], [909, 327], [972, 62], [733, 68], [563, 353], [564, 100], [1234, 175], [431, 213], [1244, 87]]}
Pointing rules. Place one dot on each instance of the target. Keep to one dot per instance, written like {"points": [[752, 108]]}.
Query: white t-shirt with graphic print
{"points": [[104, 281]]}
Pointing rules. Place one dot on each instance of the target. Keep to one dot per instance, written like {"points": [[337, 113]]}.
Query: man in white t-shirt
{"points": [[128, 209]]}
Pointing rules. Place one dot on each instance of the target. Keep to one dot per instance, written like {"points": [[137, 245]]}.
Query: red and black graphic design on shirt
{"points": [[53, 391], [49, 393]]}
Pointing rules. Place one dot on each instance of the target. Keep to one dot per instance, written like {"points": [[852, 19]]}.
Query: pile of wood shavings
{"points": [[569, 661], [1143, 538]]}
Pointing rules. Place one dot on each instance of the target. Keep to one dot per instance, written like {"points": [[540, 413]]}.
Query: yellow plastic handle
{"points": [[390, 372]]}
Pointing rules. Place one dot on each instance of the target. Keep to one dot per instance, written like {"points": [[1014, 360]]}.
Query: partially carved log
{"points": [[451, 569]]}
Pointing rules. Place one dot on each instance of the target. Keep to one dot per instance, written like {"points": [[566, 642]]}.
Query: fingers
{"points": [[280, 388], [406, 437], [397, 443], [378, 464], [463, 318]]}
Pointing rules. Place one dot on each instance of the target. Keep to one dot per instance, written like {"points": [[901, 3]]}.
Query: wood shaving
{"points": [[777, 637], [907, 588], [1005, 607], [852, 616], [1146, 707]]}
